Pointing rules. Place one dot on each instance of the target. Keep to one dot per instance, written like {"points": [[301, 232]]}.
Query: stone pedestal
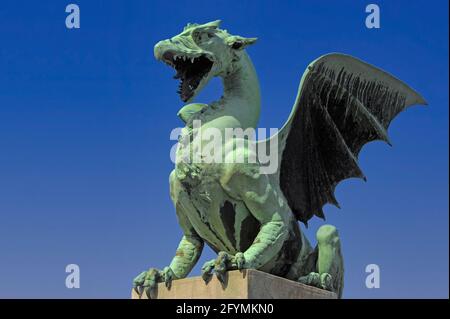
{"points": [[247, 284]]}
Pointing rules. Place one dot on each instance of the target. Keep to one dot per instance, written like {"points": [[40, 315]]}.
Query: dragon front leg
{"points": [[186, 256], [265, 204]]}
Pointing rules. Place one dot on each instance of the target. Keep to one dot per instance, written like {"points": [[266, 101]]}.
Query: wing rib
{"points": [[343, 103]]}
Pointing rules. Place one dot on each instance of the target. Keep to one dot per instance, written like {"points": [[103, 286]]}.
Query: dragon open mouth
{"points": [[190, 71]]}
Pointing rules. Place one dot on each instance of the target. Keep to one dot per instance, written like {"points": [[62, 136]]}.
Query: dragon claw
{"points": [[168, 276], [326, 281], [152, 278], [138, 282], [311, 279], [207, 270], [221, 265], [240, 260], [224, 262], [147, 281], [323, 281]]}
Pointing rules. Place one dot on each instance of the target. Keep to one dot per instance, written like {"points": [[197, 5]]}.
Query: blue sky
{"points": [[85, 118]]}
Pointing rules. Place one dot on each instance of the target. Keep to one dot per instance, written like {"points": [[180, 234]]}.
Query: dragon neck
{"points": [[241, 98]]}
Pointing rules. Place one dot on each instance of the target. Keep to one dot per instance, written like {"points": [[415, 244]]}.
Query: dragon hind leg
{"points": [[326, 261]]}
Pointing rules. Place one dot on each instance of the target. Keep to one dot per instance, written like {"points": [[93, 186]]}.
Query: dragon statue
{"points": [[250, 217]]}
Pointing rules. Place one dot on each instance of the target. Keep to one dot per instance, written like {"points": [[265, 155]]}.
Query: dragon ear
{"points": [[210, 25], [213, 24], [237, 42]]}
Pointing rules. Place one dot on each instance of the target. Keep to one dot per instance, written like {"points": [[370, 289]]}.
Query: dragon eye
{"points": [[196, 35], [201, 36]]}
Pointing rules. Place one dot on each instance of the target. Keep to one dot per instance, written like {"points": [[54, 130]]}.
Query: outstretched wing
{"points": [[342, 104]]}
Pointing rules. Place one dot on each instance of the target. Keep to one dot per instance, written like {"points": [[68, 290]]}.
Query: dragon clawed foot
{"points": [[323, 281], [147, 281], [223, 263]]}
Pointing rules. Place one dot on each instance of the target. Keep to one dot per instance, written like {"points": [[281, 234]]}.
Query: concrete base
{"points": [[247, 284]]}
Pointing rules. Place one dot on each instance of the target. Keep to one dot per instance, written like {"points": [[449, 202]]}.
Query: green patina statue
{"points": [[250, 216]]}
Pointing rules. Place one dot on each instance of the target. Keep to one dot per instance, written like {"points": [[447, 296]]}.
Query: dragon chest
{"points": [[222, 221]]}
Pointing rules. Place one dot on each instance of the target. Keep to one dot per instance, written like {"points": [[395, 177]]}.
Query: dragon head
{"points": [[199, 53]]}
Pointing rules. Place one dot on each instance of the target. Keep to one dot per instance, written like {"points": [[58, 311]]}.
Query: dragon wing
{"points": [[342, 104]]}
